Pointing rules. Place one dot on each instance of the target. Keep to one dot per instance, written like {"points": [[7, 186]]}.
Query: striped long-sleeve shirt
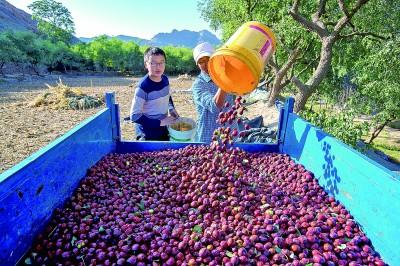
{"points": [[150, 104]]}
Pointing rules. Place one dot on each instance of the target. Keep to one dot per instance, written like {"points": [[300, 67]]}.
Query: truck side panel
{"points": [[369, 191], [32, 189]]}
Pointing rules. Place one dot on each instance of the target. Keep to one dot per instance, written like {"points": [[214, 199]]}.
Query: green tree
{"points": [[85, 57], [9, 53], [61, 57], [33, 50], [105, 53], [54, 20], [133, 57], [378, 91], [179, 60], [312, 35]]}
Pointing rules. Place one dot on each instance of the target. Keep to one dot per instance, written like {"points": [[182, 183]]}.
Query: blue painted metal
{"points": [[114, 108], [142, 146], [288, 108], [32, 189], [369, 191]]}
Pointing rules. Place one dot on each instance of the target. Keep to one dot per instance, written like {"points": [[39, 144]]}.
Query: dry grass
{"points": [[62, 96]]}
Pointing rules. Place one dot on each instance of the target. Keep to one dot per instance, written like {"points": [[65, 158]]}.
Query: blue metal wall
{"points": [[369, 191], [31, 190]]}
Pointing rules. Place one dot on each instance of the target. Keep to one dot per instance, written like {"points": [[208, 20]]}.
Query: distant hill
{"points": [[12, 18], [183, 38], [15, 19], [124, 38]]}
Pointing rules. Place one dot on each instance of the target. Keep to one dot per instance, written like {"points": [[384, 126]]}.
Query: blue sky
{"points": [[137, 18]]}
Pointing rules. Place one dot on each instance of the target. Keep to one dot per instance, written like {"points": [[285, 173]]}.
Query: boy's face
{"points": [[156, 66]]}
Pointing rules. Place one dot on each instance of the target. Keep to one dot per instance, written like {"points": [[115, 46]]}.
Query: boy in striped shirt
{"points": [[152, 106]]}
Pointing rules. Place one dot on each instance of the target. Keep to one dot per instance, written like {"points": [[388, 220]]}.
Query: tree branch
{"points": [[347, 16], [316, 17], [274, 66], [292, 58], [304, 69], [321, 9], [343, 8], [285, 83], [305, 51], [359, 33], [300, 85], [311, 26]]}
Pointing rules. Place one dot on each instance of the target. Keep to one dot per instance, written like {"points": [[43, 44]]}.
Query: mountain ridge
{"points": [[179, 38], [12, 18]]}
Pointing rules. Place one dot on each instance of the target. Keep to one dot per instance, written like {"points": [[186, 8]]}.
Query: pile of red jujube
{"points": [[197, 206], [224, 135]]}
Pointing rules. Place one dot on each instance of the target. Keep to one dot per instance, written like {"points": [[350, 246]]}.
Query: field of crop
{"points": [[25, 129]]}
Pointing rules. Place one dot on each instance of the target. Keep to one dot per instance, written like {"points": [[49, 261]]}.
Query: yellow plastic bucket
{"points": [[236, 67]]}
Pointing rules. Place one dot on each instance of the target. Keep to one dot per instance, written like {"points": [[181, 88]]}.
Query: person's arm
{"points": [[136, 112], [205, 98], [219, 98], [171, 108]]}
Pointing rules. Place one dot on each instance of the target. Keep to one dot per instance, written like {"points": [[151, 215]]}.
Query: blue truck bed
{"points": [[32, 189]]}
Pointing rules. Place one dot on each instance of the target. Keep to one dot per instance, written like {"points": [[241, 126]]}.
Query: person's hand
{"points": [[174, 113], [167, 121]]}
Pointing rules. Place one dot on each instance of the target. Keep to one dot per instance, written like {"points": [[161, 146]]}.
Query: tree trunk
{"points": [[306, 90], [274, 91], [377, 131], [301, 100], [280, 74]]}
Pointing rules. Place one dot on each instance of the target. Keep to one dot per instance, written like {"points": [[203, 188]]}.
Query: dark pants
{"points": [[141, 136]]}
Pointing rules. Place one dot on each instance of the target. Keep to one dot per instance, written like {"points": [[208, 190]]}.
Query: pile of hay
{"points": [[63, 97]]}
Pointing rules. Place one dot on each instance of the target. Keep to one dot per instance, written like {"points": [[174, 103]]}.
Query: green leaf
{"points": [[101, 229], [141, 205], [28, 261], [264, 206], [142, 183], [229, 254], [278, 249], [197, 229], [342, 246], [73, 240]]}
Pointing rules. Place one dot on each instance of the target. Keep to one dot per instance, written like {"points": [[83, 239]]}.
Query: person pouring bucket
{"points": [[209, 100]]}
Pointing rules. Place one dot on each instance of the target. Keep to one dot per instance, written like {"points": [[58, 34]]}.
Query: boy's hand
{"points": [[167, 121], [174, 113]]}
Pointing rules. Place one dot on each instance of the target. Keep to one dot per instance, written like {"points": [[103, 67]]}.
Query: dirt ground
{"points": [[25, 129]]}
